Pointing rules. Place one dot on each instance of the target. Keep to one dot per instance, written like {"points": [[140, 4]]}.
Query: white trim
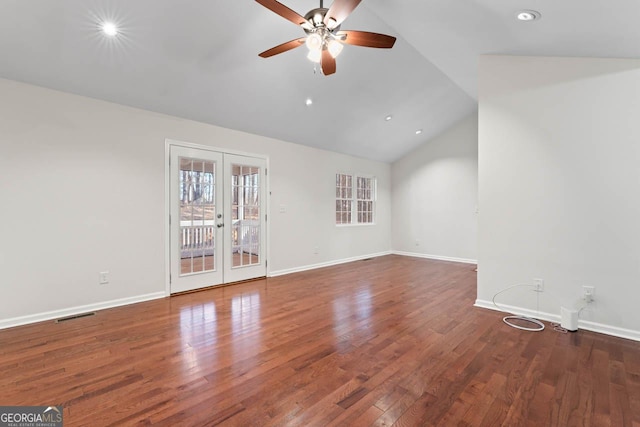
{"points": [[436, 257], [582, 324], [211, 148], [56, 314], [167, 213], [326, 264]]}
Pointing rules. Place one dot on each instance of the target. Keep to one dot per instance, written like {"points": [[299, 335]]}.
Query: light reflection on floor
{"points": [[351, 308], [245, 325], [198, 329], [227, 326]]}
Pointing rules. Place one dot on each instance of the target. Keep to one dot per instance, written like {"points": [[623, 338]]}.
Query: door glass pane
{"points": [[245, 215], [197, 215]]}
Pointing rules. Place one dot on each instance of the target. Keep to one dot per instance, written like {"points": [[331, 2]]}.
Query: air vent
{"points": [[75, 316]]}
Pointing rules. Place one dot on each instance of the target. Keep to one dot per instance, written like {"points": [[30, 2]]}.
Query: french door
{"points": [[217, 218]]}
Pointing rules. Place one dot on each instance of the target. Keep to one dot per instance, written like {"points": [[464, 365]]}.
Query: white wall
{"points": [[435, 194], [82, 191], [559, 186]]}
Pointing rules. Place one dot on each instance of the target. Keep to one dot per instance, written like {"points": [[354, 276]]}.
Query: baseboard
{"points": [[549, 317], [436, 257], [49, 315], [326, 264]]}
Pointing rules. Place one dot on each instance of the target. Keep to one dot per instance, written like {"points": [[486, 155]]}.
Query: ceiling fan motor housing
{"points": [[316, 18]]}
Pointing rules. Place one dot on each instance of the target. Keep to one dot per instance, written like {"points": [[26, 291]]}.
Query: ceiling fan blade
{"points": [[292, 44], [284, 11], [366, 39], [328, 63], [339, 11]]}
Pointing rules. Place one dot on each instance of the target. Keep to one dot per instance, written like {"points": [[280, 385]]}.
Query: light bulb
{"points": [[110, 29], [314, 42], [314, 55], [334, 47]]}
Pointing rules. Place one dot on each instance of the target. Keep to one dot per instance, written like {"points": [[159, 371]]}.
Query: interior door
{"points": [[195, 218], [217, 218], [245, 228]]}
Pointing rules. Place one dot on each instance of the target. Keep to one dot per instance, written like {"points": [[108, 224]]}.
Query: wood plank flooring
{"points": [[392, 341]]}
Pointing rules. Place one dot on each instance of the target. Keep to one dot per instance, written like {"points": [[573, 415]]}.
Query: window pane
{"points": [[365, 198], [343, 198], [197, 211]]}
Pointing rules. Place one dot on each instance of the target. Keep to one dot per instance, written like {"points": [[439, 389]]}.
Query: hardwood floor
{"points": [[389, 341]]}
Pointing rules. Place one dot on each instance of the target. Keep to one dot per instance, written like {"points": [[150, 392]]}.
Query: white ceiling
{"points": [[198, 59]]}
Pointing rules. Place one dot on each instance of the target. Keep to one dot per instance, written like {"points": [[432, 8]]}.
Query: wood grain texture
{"points": [[393, 341]]}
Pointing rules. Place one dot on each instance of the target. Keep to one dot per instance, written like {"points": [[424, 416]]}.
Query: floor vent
{"points": [[75, 316]]}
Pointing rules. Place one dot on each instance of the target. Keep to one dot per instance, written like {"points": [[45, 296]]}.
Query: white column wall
{"points": [[559, 181]]}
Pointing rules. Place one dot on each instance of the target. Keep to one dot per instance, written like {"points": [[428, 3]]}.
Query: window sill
{"points": [[356, 225]]}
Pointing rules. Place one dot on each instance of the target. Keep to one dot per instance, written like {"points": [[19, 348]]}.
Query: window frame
{"points": [[354, 212]]}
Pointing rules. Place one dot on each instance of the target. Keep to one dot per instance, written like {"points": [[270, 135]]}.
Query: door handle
{"points": [[220, 225]]}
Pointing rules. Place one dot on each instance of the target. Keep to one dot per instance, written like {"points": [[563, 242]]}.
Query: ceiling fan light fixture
{"points": [[314, 56], [314, 42], [334, 47], [332, 23]]}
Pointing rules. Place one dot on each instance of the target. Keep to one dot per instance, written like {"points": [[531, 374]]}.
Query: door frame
{"points": [[168, 143]]}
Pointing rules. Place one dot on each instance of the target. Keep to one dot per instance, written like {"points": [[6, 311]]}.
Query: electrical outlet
{"points": [[588, 293], [538, 285], [417, 242], [103, 277], [315, 250]]}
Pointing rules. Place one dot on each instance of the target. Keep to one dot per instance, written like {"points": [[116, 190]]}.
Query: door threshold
{"points": [[221, 285]]}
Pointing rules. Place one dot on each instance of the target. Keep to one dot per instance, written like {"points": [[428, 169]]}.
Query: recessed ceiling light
{"points": [[419, 131], [308, 102], [389, 117], [110, 29], [528, 15]]}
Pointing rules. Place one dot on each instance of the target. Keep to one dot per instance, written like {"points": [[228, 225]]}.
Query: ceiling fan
{"points": [[324, 38]]}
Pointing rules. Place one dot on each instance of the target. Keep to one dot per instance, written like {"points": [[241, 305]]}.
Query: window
{"points": [[344, 198], [355, 199], [364, 197]]}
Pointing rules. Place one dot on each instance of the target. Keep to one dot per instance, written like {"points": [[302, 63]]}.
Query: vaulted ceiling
{"points": [[198, 59]]}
